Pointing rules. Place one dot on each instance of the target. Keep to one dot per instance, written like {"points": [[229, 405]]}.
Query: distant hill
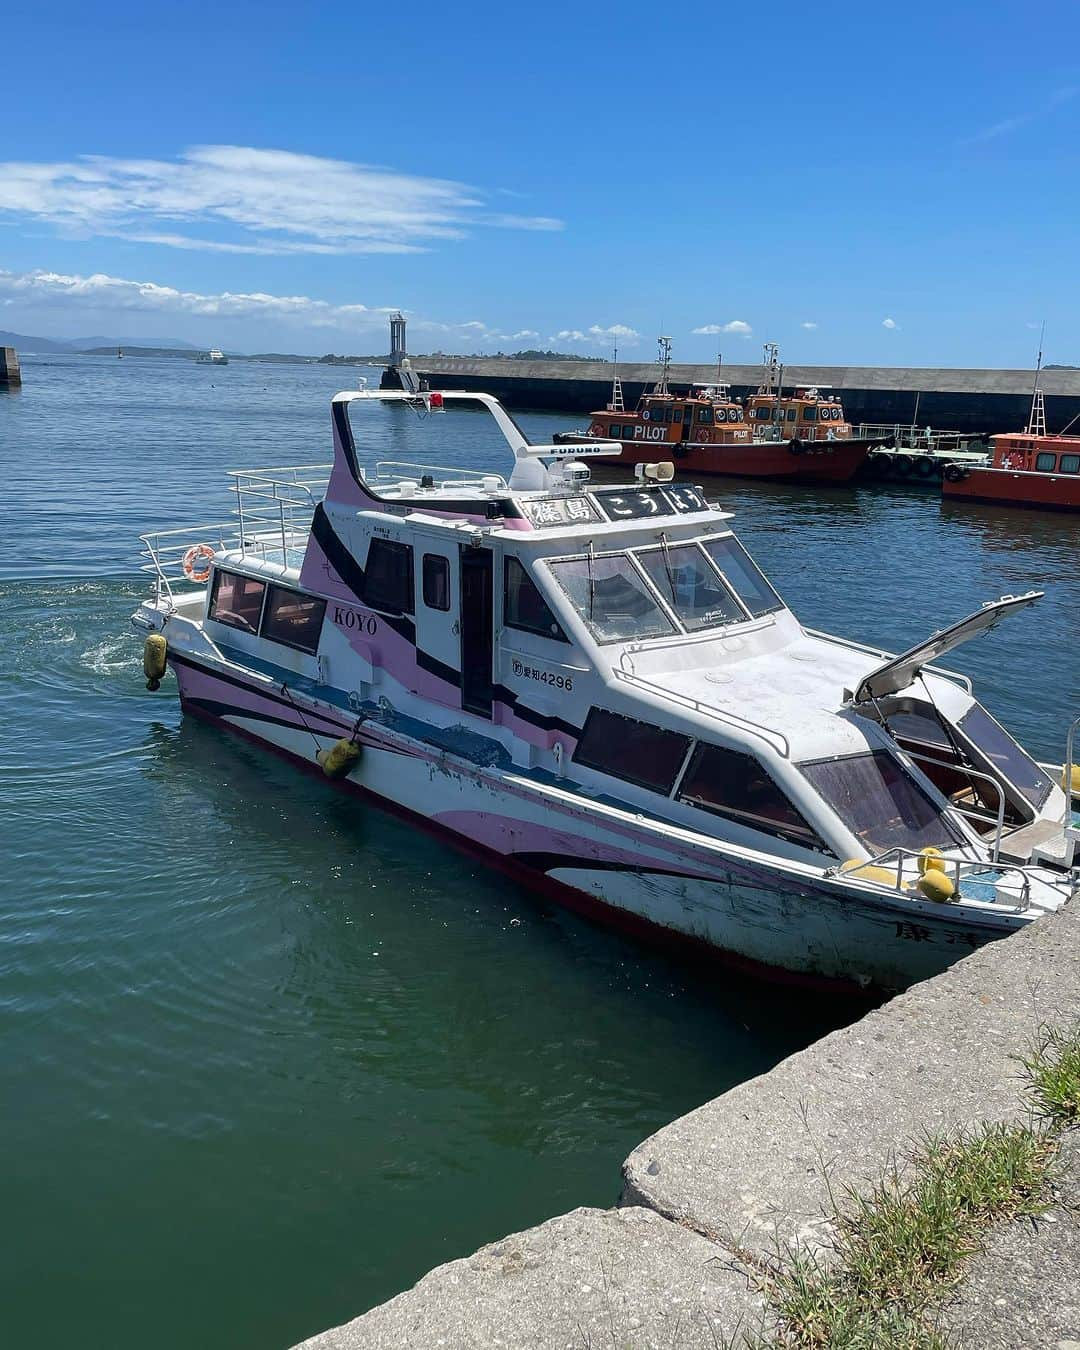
{"points": [[90, 343], [32, 344]]}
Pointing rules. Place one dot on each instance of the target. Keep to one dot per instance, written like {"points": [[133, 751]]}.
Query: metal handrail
{"points": [[455, 475], [920, 758], [959, 868], [774, 739]]}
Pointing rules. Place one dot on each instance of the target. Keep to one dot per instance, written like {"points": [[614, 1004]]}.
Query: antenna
{"points": [[663, 356], [1037, 420]]}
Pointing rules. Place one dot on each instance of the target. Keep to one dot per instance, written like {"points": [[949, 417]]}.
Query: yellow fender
{"points": [[863, 871], [935, 885], [930, 857], [340, 760], [1071, 782], [155, 650]]}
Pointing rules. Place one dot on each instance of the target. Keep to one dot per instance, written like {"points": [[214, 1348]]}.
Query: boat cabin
{"points": [[806, 415], [707, 414], [1023, 451]]}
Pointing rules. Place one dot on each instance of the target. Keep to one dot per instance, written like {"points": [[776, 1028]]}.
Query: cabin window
{"points": [[704, 417], [762, 414], [388, 577], [436, 581], [731, 784], [668, 414], [690, 586], [676, 415], [879, 802], [1069, 464], [1007, 758], [635, 751], [809, 414], [524, 607], [1045, 462], [742, 575], [612, 598], [790, 414], [293, 619], [237, 600]]}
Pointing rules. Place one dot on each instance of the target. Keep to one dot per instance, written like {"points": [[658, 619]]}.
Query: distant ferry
{"points": [[212, 358], [1025, 468], [802, 436]]}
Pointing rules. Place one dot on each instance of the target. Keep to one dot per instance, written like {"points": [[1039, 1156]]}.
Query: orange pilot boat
{"points": [[1026, 468], [801, 437]]}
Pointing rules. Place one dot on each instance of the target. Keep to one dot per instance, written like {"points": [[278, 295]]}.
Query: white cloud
{"points": [[106, 293], [525, 333], [888, 323], [807, 323], [597, 335], [737, 326], [265, 202]]}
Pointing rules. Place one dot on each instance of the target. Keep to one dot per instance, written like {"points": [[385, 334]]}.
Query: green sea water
{"points": [[268, 1054]]}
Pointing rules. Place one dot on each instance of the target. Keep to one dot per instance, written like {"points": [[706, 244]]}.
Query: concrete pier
{"points": [[977, 401], [712, 1193], [9, 366]]}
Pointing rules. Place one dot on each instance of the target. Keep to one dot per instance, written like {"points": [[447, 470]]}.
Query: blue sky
{"points": [[862, 184]]}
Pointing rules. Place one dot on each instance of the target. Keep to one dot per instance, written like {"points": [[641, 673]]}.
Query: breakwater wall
{"points": [[9, 366], [964, 400], [711, 1195]]}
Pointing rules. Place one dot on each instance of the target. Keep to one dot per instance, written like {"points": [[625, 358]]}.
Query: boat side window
{"points": [[704, 416], [237, 600], [879, 802], [790, 414], [1013, 763], [732, 784], [1069, 464], [612, 598], [637, 752], [743, 576], [690, 586], [1045, 462], [388, 577], [809, 414], [762, 414], [524, 607], [436, 581], [293, 619], [676, 415]]}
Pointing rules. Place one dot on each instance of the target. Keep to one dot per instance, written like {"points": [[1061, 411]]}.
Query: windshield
{"points": [[1013, 763], [880, 803], [742, 575], [690, 586], [612, 598]]}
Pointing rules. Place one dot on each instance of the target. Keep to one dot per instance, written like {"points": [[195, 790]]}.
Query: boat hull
{"points": [[738, 908], [1010, 487], [812, 462]]}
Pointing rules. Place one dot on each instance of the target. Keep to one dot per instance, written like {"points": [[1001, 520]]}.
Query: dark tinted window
{"points": [[1070, 464], [524, 607], [809, 414], [732, 784], [294, 619], [636, 751], [237, 601], [388, 577], [879, 802], [436, 581], [743, 576], [1045, 462], [704, 416], [1005, 755]]}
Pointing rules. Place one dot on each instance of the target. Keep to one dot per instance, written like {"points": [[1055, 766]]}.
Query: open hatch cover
{"points": [[900, 671]]}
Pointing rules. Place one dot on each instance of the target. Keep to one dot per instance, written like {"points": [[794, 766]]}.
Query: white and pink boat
{"points": [[595, 689]]}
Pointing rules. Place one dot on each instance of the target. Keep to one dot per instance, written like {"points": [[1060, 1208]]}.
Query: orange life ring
{"points": [[195, 552], [705, 435]]}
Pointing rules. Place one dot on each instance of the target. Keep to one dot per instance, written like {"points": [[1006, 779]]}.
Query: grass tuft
{"points": [[1053, 1071], [900, 1247]]}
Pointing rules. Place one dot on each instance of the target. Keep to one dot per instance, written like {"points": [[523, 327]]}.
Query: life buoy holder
{"points": [[191, 570]]}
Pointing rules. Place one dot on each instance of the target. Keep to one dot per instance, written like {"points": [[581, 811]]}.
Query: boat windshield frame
{"points": [[679, 624]]}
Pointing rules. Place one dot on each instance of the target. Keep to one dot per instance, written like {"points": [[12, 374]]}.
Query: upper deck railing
{"points": [[271, 522]]}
